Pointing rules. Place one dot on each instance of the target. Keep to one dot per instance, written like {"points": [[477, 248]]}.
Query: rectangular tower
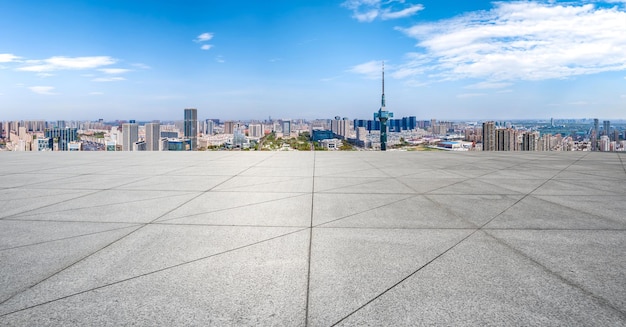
{"points": [[153, 136], [489, 136], [130, 135], [191, 127]]}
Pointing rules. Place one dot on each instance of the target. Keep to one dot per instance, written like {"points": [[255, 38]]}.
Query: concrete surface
{"points": [[312, 239]]}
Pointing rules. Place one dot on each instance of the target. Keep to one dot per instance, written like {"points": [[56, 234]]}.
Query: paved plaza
{"points": [[312, 239]]}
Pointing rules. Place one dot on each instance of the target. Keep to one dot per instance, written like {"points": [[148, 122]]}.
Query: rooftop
{"points": [[312, 238]]}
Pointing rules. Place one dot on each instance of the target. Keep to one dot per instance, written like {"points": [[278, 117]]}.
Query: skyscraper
{"points": [[594, 135], [286, 128], [489, 136], [153, 136], [130, 135], [530, 141], [191, 127], [229, 127], [383, 115], [607, 127], [63, 135]]}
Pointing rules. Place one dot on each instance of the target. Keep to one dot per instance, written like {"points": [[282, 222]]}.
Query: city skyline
{"points": [[453, 60]]}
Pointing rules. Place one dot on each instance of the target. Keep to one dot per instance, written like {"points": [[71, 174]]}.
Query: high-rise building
{"points": [[191, 127], [63, 135], [530, 141], [209, 126], [153, 136], [605, 143], [255, 130], [383, 115], [594, 134], [607, 127], [229, 127], [286, 128], [130, 135], [489, 136]]}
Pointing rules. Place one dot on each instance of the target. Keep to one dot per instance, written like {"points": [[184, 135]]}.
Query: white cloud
{"points": [[108, 79], [114, 71], [470, 95], [220, 59], [96, 93], [203, 37], [141, 66], [521, 41], [7, 57], [66, 63], [371, 69], [488, 85], [44, 75], [369, 10], [406, 12], [206, 46], [44, 90]]}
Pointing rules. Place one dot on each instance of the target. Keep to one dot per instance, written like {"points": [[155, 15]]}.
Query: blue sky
{"points": [[468, 60]]}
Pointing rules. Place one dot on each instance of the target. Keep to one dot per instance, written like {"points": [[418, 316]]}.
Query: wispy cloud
{"points": [[220, 59], [370, 10], [141, 66], [489, 85], [328, 79], [43, 90], [95, 93], [521, 41], [66, 63], [8, 57], [470, 95], [203, 37], [108, 79], [114, 71], [371, 69]]}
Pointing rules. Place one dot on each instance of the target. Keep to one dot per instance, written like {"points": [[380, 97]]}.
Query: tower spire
{"points": [[382, 103]]}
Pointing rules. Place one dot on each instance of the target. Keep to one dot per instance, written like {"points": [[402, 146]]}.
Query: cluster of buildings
{"points": [[497, 137], [192, 134]]}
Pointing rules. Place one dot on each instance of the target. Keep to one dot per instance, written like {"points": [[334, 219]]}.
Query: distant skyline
{"points": [[145, 60]]}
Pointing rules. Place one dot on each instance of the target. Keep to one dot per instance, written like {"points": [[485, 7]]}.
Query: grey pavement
{"points": [[312, 239]]}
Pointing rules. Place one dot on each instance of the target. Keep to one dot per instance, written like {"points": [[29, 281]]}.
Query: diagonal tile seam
{"points": [[66, 238], [103, 205], [82, 196], [414, 195], [604, 302], [571, 182], [101, 190], [123, 236], [364, 211], [153, 272], [465, 178], [469, 228], [619, 156], [301, 194], [226, 225], [541, 198], [290, 179], [444, 252], [26, 197], [308, 270]]}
